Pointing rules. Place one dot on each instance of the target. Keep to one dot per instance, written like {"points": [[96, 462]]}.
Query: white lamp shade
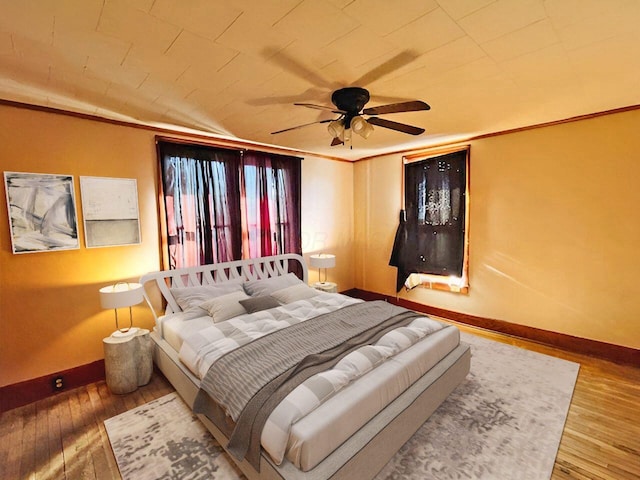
{"points": [[121, 295], [322, 260]]}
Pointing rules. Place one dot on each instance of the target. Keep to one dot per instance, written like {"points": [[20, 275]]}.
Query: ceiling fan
{"points": [[349, 105]]}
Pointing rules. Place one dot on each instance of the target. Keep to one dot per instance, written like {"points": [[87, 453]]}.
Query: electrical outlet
{"points": [[57, 383]]}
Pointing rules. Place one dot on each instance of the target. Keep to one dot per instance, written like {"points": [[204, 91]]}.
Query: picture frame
{"points": [[42, 212], [110, 211]]}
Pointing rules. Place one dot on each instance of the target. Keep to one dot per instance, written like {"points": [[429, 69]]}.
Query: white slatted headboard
{"points": [[250, 269]]}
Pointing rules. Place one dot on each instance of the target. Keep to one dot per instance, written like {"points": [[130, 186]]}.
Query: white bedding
{"points": [[298, 429], [321, 431], [177, 327], [200, 349]]}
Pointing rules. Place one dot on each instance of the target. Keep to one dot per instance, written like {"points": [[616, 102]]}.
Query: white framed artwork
{"points": [[110, 211], [42, 212]]}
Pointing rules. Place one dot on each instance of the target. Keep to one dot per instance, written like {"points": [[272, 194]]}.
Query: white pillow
{"points": [[294, 292], [225, 307], [259, 288], [190, 298]]}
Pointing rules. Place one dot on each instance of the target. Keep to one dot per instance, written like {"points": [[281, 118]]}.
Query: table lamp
{"points": [[122, 295], [320, 261]]}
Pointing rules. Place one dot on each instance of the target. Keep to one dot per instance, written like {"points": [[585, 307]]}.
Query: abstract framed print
{"points": [[42, 212], [110, 211]]}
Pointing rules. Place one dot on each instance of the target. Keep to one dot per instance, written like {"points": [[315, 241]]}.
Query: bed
{"points": [[341, 405]]}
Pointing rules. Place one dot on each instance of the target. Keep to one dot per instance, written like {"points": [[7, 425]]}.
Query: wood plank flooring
{"points": [[63, 437]]}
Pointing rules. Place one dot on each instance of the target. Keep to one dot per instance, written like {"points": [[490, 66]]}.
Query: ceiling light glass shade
{"points": [[346, 135], [360, 126], [336, 129]]}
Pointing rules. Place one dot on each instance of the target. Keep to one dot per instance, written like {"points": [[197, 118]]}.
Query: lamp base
{"points": [[129, 333]]}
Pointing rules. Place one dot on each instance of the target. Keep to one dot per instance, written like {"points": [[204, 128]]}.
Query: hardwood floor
{"points": [[63, 437]]}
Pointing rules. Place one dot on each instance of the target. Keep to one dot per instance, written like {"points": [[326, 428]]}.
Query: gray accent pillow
{"points": [[256, 304], [260, 288], [190, 298], [225, 307]]}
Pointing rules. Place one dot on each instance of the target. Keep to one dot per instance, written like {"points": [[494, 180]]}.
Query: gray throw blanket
{"points": [[253, 379]]}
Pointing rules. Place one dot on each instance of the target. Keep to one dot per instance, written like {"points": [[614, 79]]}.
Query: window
{"points": [[222, 205], [431, 242]]}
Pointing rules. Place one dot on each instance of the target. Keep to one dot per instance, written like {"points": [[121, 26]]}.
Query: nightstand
{"points": [[128, 361], [328, 287]]}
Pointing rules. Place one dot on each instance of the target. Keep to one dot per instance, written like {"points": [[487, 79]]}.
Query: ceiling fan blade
{"points": [[412, 106], [320, 107], [400, 127], [310, 94], [301, 126], [293, 66], [394, 63]]}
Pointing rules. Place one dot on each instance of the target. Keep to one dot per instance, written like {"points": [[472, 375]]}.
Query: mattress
{"points": [[174, 328]]}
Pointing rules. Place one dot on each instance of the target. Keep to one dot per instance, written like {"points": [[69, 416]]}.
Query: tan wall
{"points": [[50, 314], [554, 229], [327, 219]]}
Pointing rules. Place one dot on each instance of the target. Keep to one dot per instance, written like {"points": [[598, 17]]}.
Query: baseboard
{"points": [[594, 348], [23, 393]]}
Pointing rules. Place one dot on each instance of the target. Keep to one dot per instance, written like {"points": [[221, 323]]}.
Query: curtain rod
{"points": [[222, 144]]}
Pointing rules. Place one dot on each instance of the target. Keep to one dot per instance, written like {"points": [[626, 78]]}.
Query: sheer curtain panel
{"points": [[202, 204], [271, 204]]}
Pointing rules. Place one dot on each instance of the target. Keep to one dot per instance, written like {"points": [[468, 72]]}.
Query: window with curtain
{"points": [[222, 205], [431, 241]]}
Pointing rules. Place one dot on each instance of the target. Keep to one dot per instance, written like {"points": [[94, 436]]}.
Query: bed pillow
{"points": [[294, 292], [190, 298], [260, 288], [257, 304], [225, 307]]}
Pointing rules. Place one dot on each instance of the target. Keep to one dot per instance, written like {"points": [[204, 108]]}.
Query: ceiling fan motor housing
{"points": [[350, 99]]}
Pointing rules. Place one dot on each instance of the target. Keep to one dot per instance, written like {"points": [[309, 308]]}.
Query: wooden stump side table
{"points": [[128, 361]]}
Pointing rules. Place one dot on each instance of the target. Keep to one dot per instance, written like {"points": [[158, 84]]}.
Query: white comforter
{"points": [[200, 349], [203, 347]]}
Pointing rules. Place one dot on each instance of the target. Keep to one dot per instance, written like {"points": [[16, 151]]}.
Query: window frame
{"points": [[443, 282]]}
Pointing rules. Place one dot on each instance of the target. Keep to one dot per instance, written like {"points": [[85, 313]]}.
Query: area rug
{"points": [[504, 421]]}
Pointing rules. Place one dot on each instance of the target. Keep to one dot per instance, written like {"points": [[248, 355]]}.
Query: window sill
{"points": [[436, 282]]}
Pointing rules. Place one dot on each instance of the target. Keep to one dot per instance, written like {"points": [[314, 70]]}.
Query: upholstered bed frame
{"points": [[364, 454]]}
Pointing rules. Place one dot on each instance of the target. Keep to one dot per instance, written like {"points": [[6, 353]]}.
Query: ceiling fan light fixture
{"points": [[360, 126]]}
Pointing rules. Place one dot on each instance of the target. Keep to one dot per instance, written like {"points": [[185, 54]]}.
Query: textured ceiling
{"points": [[235, 68]]}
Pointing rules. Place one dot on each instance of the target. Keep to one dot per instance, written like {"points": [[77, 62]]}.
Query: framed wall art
{"points": [[42, 212], [110, 211]]}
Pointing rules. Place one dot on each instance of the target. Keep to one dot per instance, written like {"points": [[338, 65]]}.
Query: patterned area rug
{"points": [[504, 421]]}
